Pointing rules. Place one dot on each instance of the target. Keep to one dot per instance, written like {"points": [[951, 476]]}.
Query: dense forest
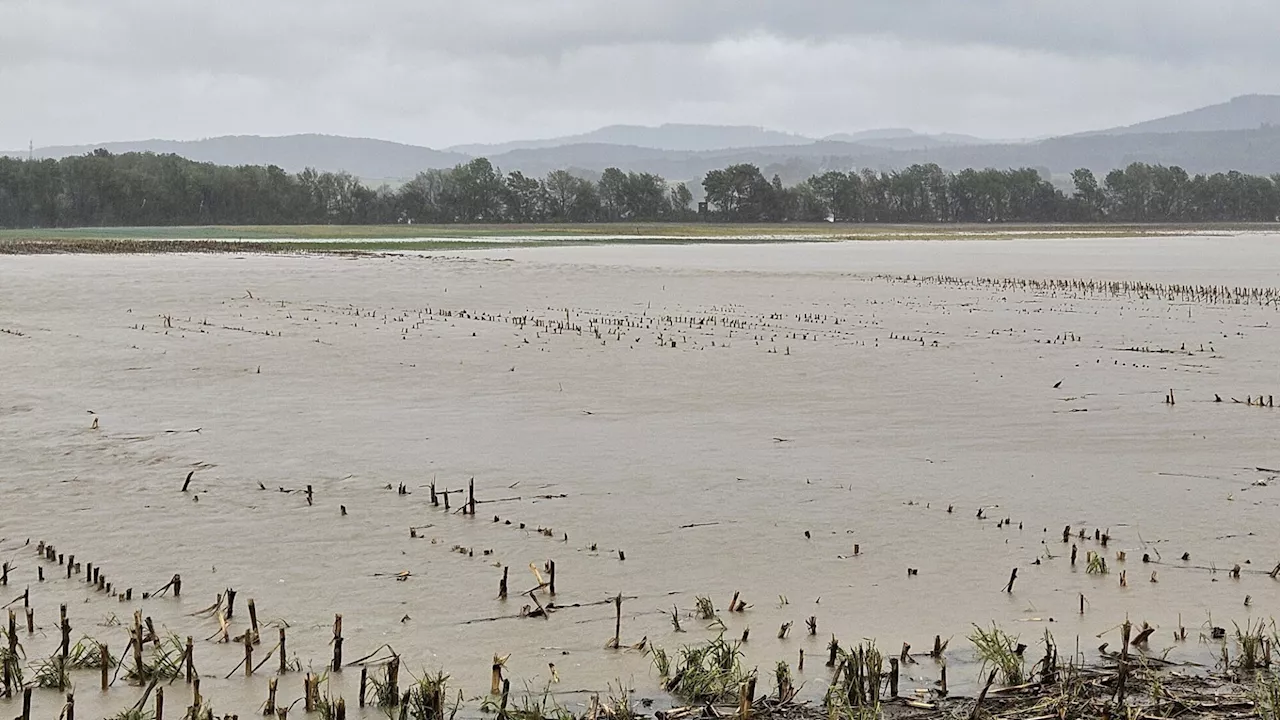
{"points": [[141, 189]]}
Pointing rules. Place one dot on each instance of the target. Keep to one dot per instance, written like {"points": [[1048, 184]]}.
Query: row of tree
{"points": [[927, 194], [142, 189]]}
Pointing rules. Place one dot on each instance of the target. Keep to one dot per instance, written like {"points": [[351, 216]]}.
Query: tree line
{"points": [[927, 194], [143, 189]]}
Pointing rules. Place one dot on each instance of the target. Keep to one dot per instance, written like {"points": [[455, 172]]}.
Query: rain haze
{"points": [[601, 360], [443, 73]]}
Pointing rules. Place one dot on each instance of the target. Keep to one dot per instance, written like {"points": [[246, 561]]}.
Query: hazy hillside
{"points": [[1250, 151], [705, 138], [679, 137], [359, 156], [905, 139], [1195, 140], [1253, 151], [690, 165], [1247, 112]]}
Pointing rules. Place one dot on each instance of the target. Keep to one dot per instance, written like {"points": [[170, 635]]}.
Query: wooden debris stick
{"points": [[65, 626], [253, 621], [617, 623], [337, 643], [136, 643], [991, 679]]}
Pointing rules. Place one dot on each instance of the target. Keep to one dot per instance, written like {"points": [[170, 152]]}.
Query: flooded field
{"points": [[872, 435]]}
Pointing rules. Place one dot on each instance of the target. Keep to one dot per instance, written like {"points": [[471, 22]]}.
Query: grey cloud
{"points": [[1141, 28], [1155, 29], [438, 72]]}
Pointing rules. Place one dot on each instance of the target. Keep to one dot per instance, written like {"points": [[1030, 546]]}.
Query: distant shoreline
{"points": [[390, 238]]}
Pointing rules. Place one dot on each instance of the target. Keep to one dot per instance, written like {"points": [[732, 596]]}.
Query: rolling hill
{"points": [[1246, 112], [677, 137], [1242, 134], [362, 157]]}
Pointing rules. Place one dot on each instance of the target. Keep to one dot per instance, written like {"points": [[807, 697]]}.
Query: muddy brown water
{"points": [[705, 463]]}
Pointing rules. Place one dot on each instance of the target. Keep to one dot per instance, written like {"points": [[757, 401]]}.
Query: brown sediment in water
{"points": [[1135, 683], [705, 462]]}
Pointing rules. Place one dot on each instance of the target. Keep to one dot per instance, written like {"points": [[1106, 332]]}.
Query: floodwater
{"points": [[808, 405]]}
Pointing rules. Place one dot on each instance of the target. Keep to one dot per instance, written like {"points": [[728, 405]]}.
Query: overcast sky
{"points": [[443, 72]]}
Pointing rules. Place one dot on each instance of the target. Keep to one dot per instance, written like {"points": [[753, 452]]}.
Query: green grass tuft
{"points": [[997, 649], [709, 673]]}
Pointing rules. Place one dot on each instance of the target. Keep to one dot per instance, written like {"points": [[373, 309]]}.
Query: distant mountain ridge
{"points": [[363, 157], [1246, 112], [1241, 134], [1251, 151], [906, 139], [678, 137]]}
